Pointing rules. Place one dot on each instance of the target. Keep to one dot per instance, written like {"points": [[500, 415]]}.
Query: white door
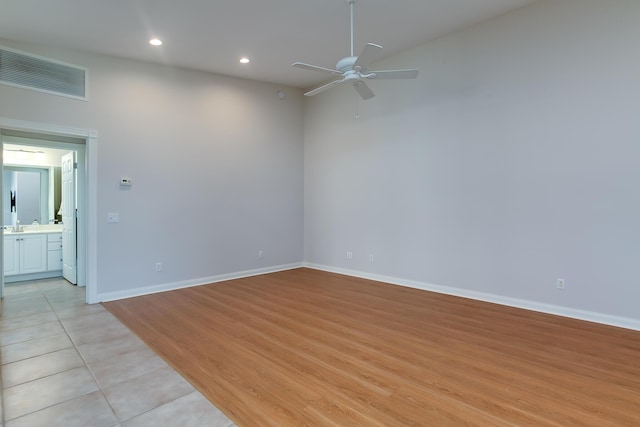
{"points": [[69, 260]]}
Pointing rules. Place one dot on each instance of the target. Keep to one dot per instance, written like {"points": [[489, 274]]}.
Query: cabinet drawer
{"points": [[57, 237], [54, 246]]}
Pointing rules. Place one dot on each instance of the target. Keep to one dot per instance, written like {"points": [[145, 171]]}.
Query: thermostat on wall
{"points": [[126, 181]]}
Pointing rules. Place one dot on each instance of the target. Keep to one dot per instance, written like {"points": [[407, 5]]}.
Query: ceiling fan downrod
{"points": [[351, 3]]}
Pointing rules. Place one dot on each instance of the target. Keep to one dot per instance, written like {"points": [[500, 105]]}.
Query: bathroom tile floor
{"points": [[67, 363]]}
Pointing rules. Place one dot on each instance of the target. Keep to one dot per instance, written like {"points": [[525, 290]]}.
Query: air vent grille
{"points": [[24, 70]]}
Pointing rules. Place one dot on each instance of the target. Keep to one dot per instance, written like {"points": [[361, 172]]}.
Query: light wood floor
{"points": [[309, 348]]}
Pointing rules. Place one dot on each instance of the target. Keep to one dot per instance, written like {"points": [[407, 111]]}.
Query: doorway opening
{"points": [[39, 206], [62, 161]]}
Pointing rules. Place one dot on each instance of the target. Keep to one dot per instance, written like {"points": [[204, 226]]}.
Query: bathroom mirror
{"points": [[30, 193]]}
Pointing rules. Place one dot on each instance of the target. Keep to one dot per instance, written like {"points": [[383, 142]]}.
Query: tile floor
{"points": [[66, 363]]}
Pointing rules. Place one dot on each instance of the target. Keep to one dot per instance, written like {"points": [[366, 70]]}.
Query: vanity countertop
{"points": [[29, 229]]}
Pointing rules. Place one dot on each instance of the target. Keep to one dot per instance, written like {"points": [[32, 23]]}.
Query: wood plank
{"points": [[310, 348]]}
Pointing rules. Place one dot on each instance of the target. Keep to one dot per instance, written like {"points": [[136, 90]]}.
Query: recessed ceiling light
{"points": [[244, 60], [155, 42]]}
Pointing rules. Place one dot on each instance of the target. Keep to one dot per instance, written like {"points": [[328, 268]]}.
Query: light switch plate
{"points": [[113, 217]]}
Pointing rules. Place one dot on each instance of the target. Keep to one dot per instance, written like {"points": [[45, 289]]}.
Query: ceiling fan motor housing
{"points": [[346, 64]]}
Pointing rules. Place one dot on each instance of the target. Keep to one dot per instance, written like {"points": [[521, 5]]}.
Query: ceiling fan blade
{"points": [[368, 54], [364, 91], [394, 74], [304, 66], [323, 88]]}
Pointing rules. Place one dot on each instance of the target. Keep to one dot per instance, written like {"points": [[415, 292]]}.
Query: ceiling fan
{"points": [[355, 69]]}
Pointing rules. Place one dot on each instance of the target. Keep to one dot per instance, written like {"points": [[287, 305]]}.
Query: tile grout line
{"points": [[56, 305], [98, 383], [53, 310], [2, 388], [86, 365]]}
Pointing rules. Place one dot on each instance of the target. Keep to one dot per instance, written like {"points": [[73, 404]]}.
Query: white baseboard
{"points": [[606, 319], [136, 292]]}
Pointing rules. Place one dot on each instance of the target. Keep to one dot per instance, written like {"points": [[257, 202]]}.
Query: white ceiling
{"points": [[212, 35]]}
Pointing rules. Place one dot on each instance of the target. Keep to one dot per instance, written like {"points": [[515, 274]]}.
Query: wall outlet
{"points": [[370, 258], [560, 284], [260, 254], [158, 266], [349, 255]]}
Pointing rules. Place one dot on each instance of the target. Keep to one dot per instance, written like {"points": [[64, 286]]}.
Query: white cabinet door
{"points": [[33, 253], [54, 261], [11, 256]]}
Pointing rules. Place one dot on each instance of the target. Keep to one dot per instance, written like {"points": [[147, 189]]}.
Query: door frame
{"points": [[87, 198]]}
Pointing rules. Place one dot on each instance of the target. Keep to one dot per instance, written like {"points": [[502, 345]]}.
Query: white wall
{"points": [[512, 161], [216, 163]]}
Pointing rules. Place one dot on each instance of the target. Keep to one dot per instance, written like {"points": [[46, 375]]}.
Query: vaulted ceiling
{"points": [[212, 35]]}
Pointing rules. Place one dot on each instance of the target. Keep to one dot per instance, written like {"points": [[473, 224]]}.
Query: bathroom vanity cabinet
{"points": [[31, 255]]}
